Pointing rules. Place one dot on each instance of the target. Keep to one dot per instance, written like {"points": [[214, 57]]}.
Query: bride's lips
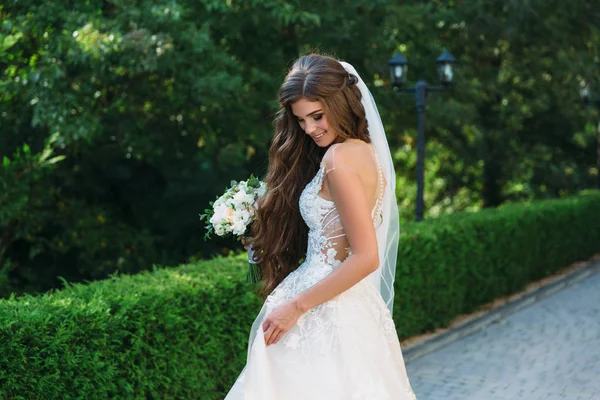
{"points": [[318, 137]]}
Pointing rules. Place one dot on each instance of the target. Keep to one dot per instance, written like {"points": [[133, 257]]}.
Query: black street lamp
{"points": [[399, 69], [589, 98]]}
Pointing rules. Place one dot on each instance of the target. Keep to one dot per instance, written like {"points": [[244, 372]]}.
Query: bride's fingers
{"points": [[269, 333], [279, 336], [266, 324]]}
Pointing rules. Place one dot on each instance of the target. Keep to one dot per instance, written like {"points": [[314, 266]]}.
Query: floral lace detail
{"points": [[331, 254], [326, 243], [326, 238]]}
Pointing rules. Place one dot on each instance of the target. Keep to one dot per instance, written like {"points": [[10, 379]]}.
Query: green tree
{"points": [[511, 128], [157, 105]]}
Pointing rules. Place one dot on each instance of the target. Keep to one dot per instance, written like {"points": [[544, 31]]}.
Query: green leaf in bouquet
{"points": [[253, 181], [208, 212]]}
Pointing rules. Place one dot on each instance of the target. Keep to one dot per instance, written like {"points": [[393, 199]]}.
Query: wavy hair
{"points": [[280, 235]]}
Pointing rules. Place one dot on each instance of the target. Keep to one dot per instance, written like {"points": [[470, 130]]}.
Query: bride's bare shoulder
{"points": [[349, 154]]}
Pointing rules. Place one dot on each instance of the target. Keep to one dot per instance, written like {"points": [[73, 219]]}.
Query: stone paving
{"points": [[547, 351]]}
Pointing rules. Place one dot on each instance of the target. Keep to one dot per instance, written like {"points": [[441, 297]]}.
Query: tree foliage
{"points": [[512, 127], [156, 105]]}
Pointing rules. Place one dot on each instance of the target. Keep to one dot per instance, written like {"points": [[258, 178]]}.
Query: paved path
{"points": [[547, 351]]}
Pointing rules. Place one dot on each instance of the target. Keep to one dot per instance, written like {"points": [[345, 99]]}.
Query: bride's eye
{"points": [[318, 117]]}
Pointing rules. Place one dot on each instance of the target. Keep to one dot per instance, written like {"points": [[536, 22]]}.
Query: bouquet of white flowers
{"points": [[233, 212]]}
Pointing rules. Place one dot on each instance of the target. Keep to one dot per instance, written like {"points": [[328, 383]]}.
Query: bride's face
{"points": [[312, 120]]}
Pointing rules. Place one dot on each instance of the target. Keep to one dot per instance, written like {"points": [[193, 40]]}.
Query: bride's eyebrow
{"points": [[310, 113]]}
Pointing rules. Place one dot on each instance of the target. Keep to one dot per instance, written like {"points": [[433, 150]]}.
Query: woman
{"points": [[325, 330]]}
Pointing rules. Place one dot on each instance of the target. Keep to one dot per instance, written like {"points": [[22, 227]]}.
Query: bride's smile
{"points": [[311, 118]]}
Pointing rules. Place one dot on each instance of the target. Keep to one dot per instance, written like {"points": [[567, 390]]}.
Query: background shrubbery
{"points": [[177, 333], [452, 265], [181, 333], [157, 105]]}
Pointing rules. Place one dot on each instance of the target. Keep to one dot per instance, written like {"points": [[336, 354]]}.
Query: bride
{"points": [[326, 239]]}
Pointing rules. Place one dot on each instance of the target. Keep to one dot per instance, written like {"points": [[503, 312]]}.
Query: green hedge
{"points": [[181, 333], [453, 265], [178, 333]]}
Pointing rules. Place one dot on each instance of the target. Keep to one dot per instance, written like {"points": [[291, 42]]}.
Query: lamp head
{"points": [[398, 69], [446, 64], [585, 92]]}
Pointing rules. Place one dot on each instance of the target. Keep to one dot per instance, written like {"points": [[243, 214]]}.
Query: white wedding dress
{"points": [[344, 349]]}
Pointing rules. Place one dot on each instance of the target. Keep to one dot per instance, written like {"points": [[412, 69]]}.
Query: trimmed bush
{"points": [[178, 333], [453, 265], [182, 333]]}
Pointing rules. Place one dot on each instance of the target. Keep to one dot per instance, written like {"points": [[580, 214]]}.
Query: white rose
{"points": [[241, 216], [262, 189], [237, 216], [249, 199], [240, 197], [219, 202], [237, 207], [229, 214], [245, 216], [239, 227], [223, 213], [218, 215], [220, 230]]}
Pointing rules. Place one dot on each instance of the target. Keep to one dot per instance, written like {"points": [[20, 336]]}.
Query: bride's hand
{"points": [[280, 321], [245, 242]]}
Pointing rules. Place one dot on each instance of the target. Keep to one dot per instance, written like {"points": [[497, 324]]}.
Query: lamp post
{"points": [[590, 99], [399, 69]]}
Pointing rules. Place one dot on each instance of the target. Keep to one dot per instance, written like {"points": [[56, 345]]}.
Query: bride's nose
{"points": [[310, 128]]}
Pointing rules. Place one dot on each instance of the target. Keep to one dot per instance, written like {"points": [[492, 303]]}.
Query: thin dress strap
{"points": [[377, 208]]}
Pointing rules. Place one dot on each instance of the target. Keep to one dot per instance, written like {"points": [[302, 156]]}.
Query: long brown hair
{"points": [[280, 236]]}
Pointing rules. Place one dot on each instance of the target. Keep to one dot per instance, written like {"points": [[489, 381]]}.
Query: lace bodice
{"points": [[326, 238], [327, 243]]}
